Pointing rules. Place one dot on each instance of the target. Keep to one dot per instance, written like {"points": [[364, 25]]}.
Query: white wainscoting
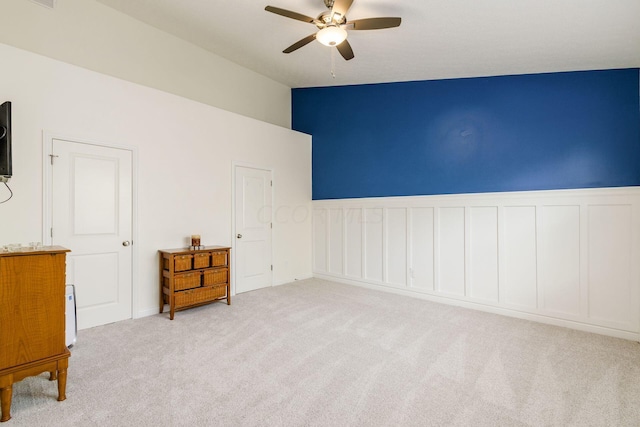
{"points": [[565, 257]]}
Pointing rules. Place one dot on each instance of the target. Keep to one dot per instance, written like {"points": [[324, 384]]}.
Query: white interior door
{"points": [[92, 216], [253, 228]]}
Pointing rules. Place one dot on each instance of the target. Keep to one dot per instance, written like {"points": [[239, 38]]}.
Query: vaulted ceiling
{"points": [[437, 38]]}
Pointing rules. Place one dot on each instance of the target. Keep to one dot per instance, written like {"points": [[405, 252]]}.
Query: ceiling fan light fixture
{"points": [[331, 35]]}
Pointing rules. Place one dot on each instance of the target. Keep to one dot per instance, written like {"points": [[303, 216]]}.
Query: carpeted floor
{"points": [[317, 353]]}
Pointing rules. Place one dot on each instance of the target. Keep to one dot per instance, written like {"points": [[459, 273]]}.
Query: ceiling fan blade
{"points": [[341, 6], [297, 45], [345, 50], [374, 23], [290, 14]]}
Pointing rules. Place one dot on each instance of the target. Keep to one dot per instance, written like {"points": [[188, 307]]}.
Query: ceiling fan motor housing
{"points": [[326, 19]]}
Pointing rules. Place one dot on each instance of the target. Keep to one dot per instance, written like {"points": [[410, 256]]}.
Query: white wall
{"points": [[568, 257], [185, 153], [94, 36]]}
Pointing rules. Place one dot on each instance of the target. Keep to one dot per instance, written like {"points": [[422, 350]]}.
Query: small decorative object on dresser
{"points": [[195, 242], [193, 277], [32, 319]]}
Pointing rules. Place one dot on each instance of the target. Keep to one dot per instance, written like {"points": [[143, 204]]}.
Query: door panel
{"points": [[97, 290], [253, 228], [92, 216], [94, 195]]}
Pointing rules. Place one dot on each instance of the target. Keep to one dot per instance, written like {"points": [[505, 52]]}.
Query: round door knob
{"points": [[126, 243], [239, 236]]}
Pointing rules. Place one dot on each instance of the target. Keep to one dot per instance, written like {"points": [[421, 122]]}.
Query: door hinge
{"points": [[272, 183], [271, 267], [51, 231], [271, 224], [52, 157]]}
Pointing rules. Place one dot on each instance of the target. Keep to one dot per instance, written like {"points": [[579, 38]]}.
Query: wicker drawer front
{"points": [[218, 291], [201, 260], [218, 259], [186, 281], [215, 277], [180, 262], [195, 296]]}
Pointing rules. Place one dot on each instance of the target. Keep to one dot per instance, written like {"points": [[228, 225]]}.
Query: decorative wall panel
{"points": [[560, 259], [396, 247], [421, 248], [320, 236], [336, 241], [566, 257], [519, 248], [373, 249], [451, 267], [483, 253], [353, 247], [611, 287]]}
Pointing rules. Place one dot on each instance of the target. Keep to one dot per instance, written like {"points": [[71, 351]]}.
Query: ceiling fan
{"points": [[333, 25]]}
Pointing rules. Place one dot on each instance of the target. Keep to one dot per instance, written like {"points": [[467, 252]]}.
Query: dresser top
{"points": [[41, 251]]}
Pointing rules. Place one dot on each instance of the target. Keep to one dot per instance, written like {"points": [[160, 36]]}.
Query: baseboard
{"points": [[296, 279], [146, 312]]}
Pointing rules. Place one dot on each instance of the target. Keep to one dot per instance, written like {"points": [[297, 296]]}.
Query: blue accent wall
{"points": [[491, 134]]}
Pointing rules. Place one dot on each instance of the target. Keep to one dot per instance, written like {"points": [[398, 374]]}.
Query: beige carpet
{"points": [[317, 353]]}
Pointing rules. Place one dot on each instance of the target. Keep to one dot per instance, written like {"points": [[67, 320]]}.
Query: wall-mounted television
{"points": [[5, 142]]}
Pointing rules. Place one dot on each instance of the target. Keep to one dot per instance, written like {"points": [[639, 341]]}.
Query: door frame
{"points": [[234, 166], [47, 201]]}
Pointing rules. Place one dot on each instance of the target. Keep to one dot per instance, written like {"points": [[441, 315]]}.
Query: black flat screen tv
{"points": [[5, 142]]}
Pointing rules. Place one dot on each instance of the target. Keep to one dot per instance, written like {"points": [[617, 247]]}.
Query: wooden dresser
{"points": [[189, 278], [32, 319]]}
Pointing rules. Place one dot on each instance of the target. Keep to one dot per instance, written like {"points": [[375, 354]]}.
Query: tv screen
{"points": [[5, 140]]}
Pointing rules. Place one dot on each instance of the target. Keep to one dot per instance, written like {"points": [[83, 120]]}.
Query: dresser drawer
{"points": [[180, 262], [218, 276], [196, 296], [218, 259], [201, 260], [186, 281]]}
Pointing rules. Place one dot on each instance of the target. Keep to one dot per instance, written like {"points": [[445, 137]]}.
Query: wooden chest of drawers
{"points": [[189, 278], [32, 320]]}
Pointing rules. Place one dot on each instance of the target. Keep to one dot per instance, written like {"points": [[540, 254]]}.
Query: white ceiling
{"points": [[437, 39]]}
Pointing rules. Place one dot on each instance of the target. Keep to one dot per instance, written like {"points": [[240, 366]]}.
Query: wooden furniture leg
{"points": [[161, 286], [62, 379], [5, 397]]}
